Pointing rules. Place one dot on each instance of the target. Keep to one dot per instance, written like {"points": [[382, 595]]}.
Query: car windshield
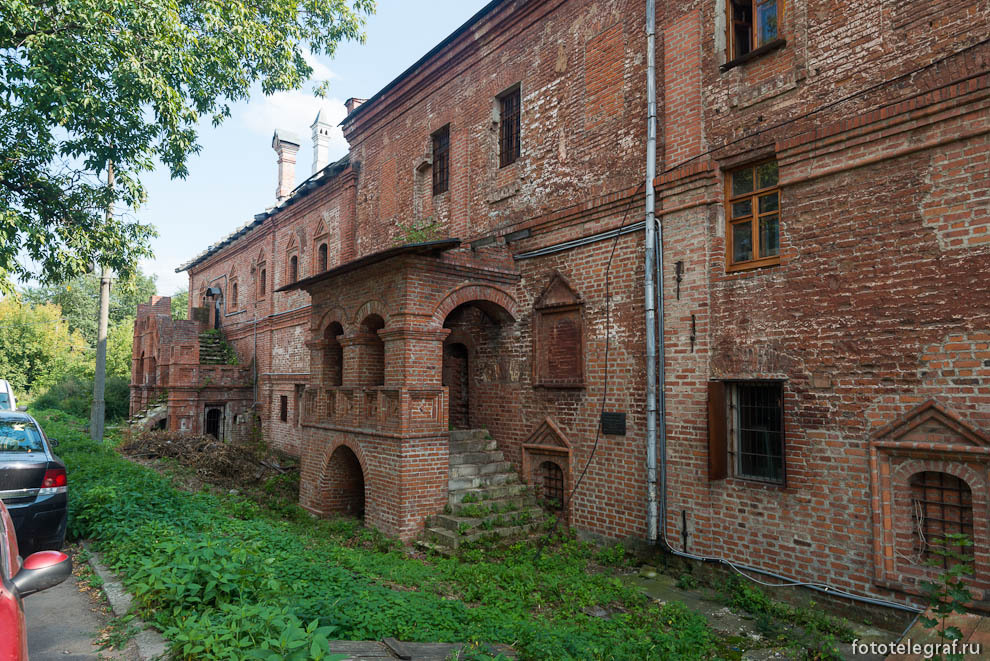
{"points": [[19, 436]]}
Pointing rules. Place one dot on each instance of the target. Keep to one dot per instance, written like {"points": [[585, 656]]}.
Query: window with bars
{"points": [[752, 214], [441, 160], [552, 478], [746, 430], [941, 504], [752, 24], [509, 127]]}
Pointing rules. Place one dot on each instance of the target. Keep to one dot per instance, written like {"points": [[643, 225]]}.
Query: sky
{"points": [[234, 175]]}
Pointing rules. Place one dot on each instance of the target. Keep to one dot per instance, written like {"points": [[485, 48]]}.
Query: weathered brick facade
{"points": [[875, 303]]}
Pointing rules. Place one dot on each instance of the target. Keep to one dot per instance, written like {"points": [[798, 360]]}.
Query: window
{"points": [[322, 257], [941, 504], [746, 430], [509, 127], [441, 160], [552, 478], [283, 408], [293, 268], [752, 214], [262, 277], [233, 296], [558, 336], [752, 24]]}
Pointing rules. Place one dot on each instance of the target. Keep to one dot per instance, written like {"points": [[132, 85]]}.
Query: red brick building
{"points": [[824, 198]]}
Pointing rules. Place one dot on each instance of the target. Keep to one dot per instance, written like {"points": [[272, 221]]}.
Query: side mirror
{"points": [[22, 409], [42, 570]]}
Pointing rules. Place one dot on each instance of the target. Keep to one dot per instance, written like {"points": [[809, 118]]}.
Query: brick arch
{"points": [[977, 481], [474, 293], [335, 313], [373, 306], [323, 485]]}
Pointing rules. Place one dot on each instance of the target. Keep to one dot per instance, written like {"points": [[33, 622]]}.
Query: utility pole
{"points": [[98, 414]]}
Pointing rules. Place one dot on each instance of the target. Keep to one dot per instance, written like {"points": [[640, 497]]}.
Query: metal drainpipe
{"points": [[650, 243]]}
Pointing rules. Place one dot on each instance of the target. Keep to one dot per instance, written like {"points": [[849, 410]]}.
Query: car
{"points": [[33, 483], [18, 579], [7, 400]]}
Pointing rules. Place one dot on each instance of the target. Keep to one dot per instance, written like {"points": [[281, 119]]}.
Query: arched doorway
{"points": [[345, 483], [477, 364], [456, 377], [213, 425]]}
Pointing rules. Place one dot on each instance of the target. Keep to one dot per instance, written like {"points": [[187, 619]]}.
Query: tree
{"points": [[37, 348], [78, 298], [180, 304], [119, 343], [86, 83]]}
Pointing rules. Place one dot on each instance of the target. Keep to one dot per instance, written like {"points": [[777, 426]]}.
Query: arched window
{"points": [[941, 504], [293, 268], [553, 485], [233, 295], [322, 258], [262, 277]]}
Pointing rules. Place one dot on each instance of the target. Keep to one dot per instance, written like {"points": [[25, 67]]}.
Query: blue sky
{"points": [[234, 175]]}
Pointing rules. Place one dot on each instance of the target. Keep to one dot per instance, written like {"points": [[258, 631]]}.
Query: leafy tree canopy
{"points": [[79, 299], [37, 348], [180, 304], [84, 83]]}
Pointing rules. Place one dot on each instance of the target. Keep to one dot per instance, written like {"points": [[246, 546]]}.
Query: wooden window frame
{"points": [[441, 160], [753, 218], [723, 434], [756, 46], [509, 126]]}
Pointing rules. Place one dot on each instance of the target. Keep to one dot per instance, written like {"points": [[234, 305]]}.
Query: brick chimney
{"points": [[321, 142], [286, 145], [351, 104]]}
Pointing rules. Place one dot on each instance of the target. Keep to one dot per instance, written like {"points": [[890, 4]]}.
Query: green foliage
{"points": [[419, 232], [228, 354], [86, 83], [687, 582], [948, 593], [79, 300], [120, 341], [37, 348], [74, 394], [180, 304], [612, 556], [469, 498], [225, 578]]}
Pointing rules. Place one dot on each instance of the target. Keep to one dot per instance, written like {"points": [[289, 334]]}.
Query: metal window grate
{"points": [[509, 147], [441, 160], [553, 484], [759, 418], [942, 504]]}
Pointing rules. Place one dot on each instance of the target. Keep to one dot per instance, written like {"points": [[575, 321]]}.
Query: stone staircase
{"points": [[154, 411], [211, 349], [486, 501]]}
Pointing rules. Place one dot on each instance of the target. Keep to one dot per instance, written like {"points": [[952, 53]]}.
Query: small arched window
{"points": [[263, 275], [293, 268], [941, 504], [233, 295], [322, 257], [553, 485]]}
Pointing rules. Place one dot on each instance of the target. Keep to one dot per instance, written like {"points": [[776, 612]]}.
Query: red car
{"points": [[19, 579]]}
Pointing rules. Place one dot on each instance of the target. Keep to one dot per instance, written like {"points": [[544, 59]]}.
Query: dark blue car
{"points": [[33, 484]]}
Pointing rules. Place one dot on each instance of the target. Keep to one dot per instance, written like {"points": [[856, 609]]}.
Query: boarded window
{"points": [[558, 351]]}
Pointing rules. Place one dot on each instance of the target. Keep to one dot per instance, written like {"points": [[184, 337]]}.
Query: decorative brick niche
{"points": [[558, 336], [548, 445], [930, 474]]}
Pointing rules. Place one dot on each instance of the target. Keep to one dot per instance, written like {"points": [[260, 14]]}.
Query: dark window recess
{"points": [[322, 258], [941, 504], [509, 128], [283, 408], [293, 268], [261, 282], [233, 295], [613, 424], [552, 478], [441, 160], [757, 418], [214, 423]]}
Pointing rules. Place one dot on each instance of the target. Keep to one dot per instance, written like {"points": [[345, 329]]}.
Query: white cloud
{"points": [[320, 70], [295, 112]]}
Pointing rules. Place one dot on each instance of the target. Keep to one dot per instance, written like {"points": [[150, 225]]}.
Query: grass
{"points": [[225, 578]]}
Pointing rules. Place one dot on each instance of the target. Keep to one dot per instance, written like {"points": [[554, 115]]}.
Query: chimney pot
{"points": [[352, 103], [286, 145], [321, 142]]}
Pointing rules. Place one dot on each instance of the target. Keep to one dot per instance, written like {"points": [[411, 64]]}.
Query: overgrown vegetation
{"points": [[221, 575], [418, 232], [948, 593]]}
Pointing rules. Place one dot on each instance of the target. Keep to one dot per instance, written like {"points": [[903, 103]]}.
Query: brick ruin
{"points": [[824, 193]]}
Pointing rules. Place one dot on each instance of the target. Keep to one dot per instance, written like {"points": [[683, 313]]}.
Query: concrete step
{"points": [[467, 470], [474, 445], [489, 493], [469, 435], [481, 481], [508, 504], [487, 523], [476, 457], [453, 540]]}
